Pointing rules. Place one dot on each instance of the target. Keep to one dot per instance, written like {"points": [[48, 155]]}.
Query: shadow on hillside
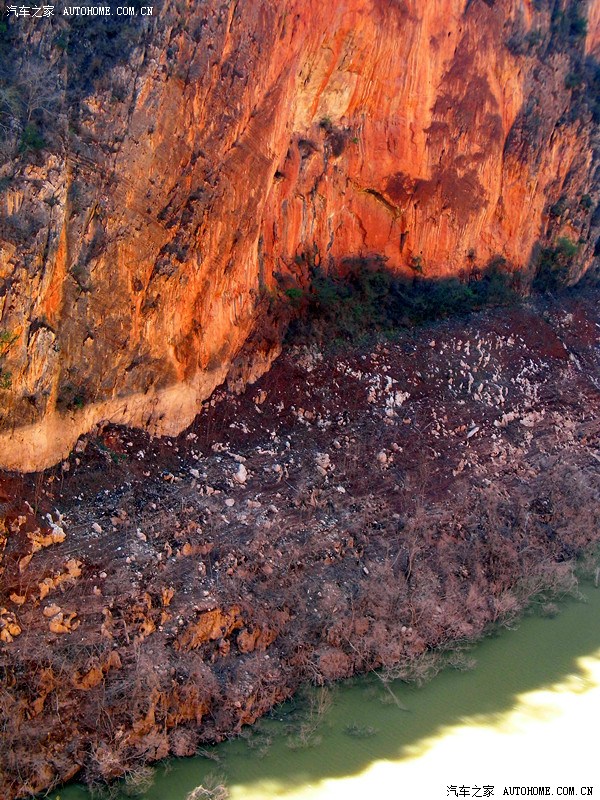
{"points": [[364, 297]]}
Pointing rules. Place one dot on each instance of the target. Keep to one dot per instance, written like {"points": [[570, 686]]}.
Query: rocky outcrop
{"points": [[218, 152]]}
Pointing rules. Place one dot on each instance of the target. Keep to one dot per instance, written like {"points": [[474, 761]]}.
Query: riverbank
{"points": [[514, 718], [350, 511]]}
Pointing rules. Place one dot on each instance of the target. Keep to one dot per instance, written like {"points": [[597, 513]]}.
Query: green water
{"points": [[526, 714]]}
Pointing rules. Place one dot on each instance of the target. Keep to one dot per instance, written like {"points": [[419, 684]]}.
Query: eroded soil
{"points": [[349, 511]]}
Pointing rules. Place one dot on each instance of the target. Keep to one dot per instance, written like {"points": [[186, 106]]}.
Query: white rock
{"points": [[241, 474], [323, 460], [229, 502], [400, 397]]}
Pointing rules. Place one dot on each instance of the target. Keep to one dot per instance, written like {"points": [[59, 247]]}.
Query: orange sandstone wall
{"points": [[239, 143]]}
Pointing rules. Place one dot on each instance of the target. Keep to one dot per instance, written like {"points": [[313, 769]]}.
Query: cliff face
{"points": [[229, 148], [142, 617]]}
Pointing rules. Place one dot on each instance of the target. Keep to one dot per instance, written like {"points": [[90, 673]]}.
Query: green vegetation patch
{"points": [[31, 139], [554, 265], [367, 299]]}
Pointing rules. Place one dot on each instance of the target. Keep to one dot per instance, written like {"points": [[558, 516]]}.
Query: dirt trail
{"points": [[349, 511]]}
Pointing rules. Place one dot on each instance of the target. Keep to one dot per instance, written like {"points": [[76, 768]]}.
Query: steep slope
{"points": [[169, 591], [162, 190]]}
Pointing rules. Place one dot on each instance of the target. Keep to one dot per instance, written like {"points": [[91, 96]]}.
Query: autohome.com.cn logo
{"points": [[30, 11]]}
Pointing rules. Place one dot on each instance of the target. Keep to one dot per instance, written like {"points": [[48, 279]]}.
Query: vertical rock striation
{"points": [[222, 150]]}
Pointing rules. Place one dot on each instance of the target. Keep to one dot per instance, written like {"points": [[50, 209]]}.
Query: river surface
{"points": [[527, 714]]}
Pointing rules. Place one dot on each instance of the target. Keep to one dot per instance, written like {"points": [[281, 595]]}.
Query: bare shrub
{"points": [[358, 731], [137, 782], [422, 669], [213, 788], [549, 581], [589, 564], [318, 704], [418, 670], [260, 743]]}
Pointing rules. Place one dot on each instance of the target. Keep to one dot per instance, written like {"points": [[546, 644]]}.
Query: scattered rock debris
{"points": [[350, 511]]}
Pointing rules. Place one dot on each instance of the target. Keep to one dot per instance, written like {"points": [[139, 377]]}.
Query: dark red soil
{"points": [[391, 498]]}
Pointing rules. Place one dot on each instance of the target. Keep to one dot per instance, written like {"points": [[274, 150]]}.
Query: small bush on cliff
{"points": [[568, 25], [7, 338], [565, 247], [71, 397], [559, 208], [573, 80], [520, 43], [554, 265], [295, 296], [31, 139], [578, 26]]}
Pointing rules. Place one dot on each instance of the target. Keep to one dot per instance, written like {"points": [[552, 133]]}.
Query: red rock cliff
{"points": [[237, 143]]}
